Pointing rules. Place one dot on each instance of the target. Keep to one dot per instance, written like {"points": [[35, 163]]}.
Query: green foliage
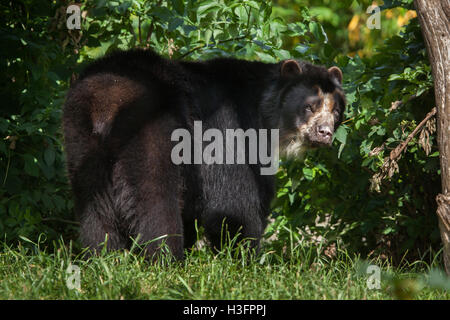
{"points": [[345, 22], [184, 28], [34, 193], [330, 193], [335, 192]]}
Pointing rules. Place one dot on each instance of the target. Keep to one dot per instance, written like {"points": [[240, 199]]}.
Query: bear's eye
{"points": [[308, 108], [336, 112]]}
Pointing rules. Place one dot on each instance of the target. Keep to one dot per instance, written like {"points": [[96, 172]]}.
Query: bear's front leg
{"points": [[233, 205]]}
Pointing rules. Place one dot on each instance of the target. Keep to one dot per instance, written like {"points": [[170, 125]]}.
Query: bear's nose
{"points": [[325, 131]]}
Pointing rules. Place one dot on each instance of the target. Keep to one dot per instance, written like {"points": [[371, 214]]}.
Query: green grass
{"points": [[29, 271]]}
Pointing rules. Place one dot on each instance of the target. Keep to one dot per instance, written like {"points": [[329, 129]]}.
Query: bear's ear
{"points": [[290, 68], [336, 73]]}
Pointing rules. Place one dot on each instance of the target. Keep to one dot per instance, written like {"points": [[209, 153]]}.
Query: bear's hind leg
{"points": [[157, 185], [99, 227]]}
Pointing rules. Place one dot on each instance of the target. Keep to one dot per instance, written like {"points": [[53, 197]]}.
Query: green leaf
{"points": [[308, 173], [178, 5], [49, 155], [341, 134], [31, 167]]}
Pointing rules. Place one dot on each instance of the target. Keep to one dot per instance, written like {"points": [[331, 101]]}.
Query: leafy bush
{"points": [[34, 195], [354, 193]]}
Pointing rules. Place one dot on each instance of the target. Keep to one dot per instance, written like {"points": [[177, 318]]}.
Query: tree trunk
{"points": [[434, 17]]}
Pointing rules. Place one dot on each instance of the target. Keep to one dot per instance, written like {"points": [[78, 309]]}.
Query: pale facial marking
{"points": [[295, 145], [325, 113], [322, 117]]}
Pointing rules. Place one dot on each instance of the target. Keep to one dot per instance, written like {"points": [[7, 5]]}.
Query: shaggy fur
{"points": [[118, 119]]}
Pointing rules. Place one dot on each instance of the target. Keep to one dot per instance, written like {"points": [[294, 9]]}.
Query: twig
{"points": [[399, 149], [348, 120], [152, 25], [204, 45], [248, 18], [396, 104], [60, 220], [150, 30], [139, 30], [7, 167], [223, 41]]}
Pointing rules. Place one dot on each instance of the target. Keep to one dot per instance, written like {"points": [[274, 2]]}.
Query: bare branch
{"points": [[397, 151], [204, 45]]}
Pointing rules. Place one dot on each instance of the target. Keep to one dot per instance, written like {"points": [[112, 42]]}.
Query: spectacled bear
{"points": [[118, 119]]}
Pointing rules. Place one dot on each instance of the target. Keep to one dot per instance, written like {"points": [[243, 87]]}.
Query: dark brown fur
{"points": [[118, 119]]}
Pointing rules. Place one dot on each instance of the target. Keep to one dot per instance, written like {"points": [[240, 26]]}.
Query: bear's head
{"points": [[310, 106]]}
